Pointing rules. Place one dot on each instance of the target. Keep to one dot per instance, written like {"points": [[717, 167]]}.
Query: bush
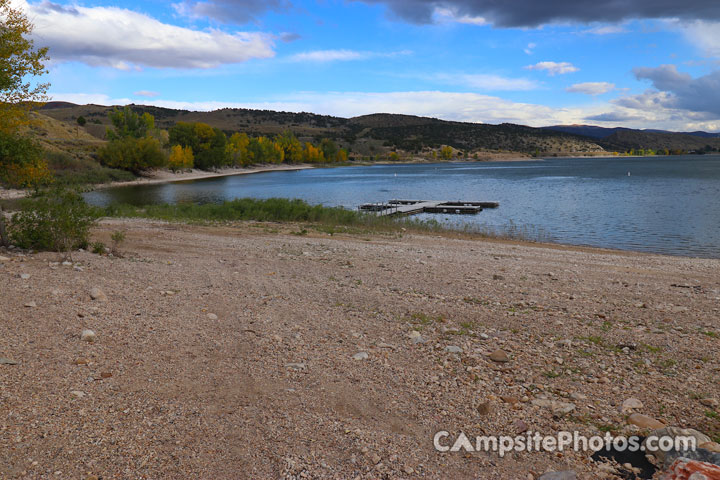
{"points": [[58, 220], [69, 170], [133, 154]]}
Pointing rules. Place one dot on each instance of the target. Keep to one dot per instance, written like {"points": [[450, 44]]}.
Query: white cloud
{"points": [[554, 68], [447, 15], [482, 81], [702, 34], [146, 94], [323, 56], [605, 30], [124, 39], [530, 48], [591, 88]]}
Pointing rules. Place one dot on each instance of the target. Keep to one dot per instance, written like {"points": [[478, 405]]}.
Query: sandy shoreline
{"points": [[229, 352]]}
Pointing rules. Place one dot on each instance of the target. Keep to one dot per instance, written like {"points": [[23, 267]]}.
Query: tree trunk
{"points": [[4, 240]]}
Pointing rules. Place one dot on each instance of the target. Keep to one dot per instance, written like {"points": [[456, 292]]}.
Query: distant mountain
{"points": [[603, 132]]}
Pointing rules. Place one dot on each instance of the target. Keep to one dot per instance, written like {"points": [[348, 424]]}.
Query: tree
{"points": [[19, 62], [128, 124], [133, 154], [21, 161], [181, 158], [81, 121]]}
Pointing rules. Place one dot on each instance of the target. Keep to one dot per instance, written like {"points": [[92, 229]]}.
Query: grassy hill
{"points": [[367, 135]]}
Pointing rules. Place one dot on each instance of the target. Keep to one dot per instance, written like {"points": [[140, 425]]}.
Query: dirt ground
{"points": [[232, 352]]}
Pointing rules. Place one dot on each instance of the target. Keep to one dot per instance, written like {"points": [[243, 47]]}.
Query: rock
{"points": [[97, 294], [666, 458], [520, 427], [643, 421], [578, 396], [566, 475], [8, 361], [299, 367], [499, 356], [360, 356], [375, 458], [631, 404], [81, 361], [484, 408], [453, 349], [510, 400], [77, 393], [212, 316], [415, 337], [30, 305], [25, 276], [408, 469], [4, 259], [498, 277], [105, 374], [710, 402], [686, 469], [556, 407], [88, 336], [711, 446]]}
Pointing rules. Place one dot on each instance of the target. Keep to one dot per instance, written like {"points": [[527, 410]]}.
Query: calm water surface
{"points": [[666, 205]]}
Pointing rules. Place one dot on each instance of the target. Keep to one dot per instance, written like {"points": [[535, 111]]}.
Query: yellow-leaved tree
{"points": [[21, 161], [181, 158]]}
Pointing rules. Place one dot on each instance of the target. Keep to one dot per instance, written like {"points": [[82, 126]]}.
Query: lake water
{"points": [[666, 205]]}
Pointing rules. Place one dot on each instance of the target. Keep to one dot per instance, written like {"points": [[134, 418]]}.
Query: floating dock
{"points": [[412, 207]]}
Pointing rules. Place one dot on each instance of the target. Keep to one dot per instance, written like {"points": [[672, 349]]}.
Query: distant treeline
{"points": [[136, 145]]}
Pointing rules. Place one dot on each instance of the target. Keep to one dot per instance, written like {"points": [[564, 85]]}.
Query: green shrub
{"points": [[99, 248], [69, 171], [133, 154], [57, 220]]}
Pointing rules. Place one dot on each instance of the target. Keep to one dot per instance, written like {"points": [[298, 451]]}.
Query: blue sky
{"points": [[640, 63]]}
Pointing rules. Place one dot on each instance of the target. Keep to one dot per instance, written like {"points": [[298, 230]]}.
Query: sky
{"points": [[630, 63]]}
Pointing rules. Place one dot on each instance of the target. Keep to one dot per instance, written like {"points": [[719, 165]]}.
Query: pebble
{"points": [[212, 316], [453, 349], [360, 356], [484, 408], [710, 402], [296, 366], [520, 427], [30, 305], [8, 361], [631, 404], [77, 393], [558, 408], [712, 446], [25, 276], [97, 294], [376, 458], [87, 336], [416, 337], [4, 259], [643, 421], [81, 361], [499, 356], [566, 475]]}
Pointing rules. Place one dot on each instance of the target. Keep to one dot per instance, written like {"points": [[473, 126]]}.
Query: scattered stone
{"points": [[299, 367], [88, 336], [685, 469], [97, 294], [4, 259], [212, 316], [578, 396], [520, 427], [360, 356], [8, 361], [30, 305], [105, 374], [499, 356], [558, 408], [77, 393], [712, 446], [566, 475], [510, 400], [630, 405], [498, 277], [643, 421], [24, 276], [710, 402], [662, 458], [409, 470], [453, 349], [81, 361], [484, 408], [416, 337], [375, 458]]}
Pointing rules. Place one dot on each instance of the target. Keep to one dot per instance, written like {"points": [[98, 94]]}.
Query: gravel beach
{"points": [[255, 352]]}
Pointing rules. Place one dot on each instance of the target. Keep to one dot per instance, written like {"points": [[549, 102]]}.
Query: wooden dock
{"points": [[412, 207]]}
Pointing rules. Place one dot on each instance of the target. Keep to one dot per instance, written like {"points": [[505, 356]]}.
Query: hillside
{"points": [[364, 136], [621, 139]]}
